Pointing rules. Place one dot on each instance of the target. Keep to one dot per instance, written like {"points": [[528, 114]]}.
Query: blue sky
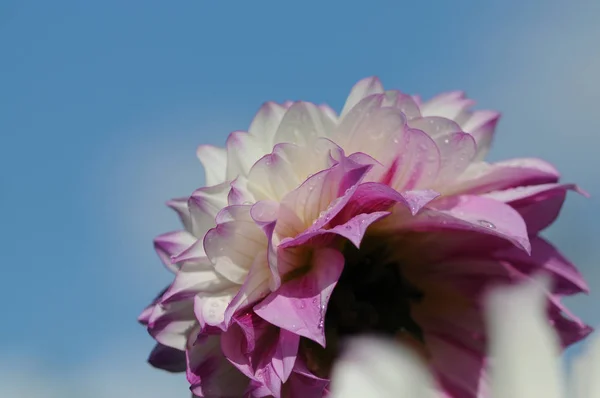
{"points": [[104, 103]]}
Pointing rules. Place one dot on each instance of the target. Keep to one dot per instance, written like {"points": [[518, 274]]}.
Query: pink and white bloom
{"points": [[523, 361], [315, 227]]}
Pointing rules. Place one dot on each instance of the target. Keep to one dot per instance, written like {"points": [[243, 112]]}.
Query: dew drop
{"points": [[348, 227], [486, 223]]}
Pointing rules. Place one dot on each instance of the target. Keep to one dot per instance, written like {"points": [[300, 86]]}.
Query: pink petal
{"points": [[261, 351], [416, 164], [370, 197], [464, 213], [214, 161], [539, 205], [170, 324], [355, 228], [303, 383], [254, 288], [144, 317], [566, 277], [300, 304], [209, 372], [167, 358], [482, 178], [171, 244], [193, 253], [320, 197]]}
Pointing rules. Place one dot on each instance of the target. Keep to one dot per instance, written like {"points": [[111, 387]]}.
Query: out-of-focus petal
{"points": [[167, 358], [380, 369], [526, 358], [584, 381]]}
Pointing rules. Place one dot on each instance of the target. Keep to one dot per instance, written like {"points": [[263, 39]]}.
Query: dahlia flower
{"points": [[525, 361], [314, 227]]}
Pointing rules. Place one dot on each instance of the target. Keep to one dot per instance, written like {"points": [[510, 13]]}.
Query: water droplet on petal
{"points": [[486, 223], [348, 227]]}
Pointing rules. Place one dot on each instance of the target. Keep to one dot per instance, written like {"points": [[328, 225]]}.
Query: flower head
{"points": [[315, 227]]}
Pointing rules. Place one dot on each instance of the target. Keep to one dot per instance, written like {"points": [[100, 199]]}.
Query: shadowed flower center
{"points": [[372, 296]]}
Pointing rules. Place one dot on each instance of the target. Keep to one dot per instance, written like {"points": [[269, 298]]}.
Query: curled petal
{"points": [[263, 352], [170, 324], [464, 213], [209, 372], [193, 277], [303, 383], [255, 287], [235, 243], [565, 276], [300, 304], [482, 125], [539, 205], [171, 244], [481, 178], [204, 205], [278, 173]]}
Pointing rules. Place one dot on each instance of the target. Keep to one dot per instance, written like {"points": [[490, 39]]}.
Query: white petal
{"points": [[362, 89], [214, 161], [584, 378], [524, 348], [380, 369]]}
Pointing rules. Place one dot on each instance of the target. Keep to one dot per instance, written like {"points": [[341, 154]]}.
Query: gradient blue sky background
{"points": [[102, 105]]}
